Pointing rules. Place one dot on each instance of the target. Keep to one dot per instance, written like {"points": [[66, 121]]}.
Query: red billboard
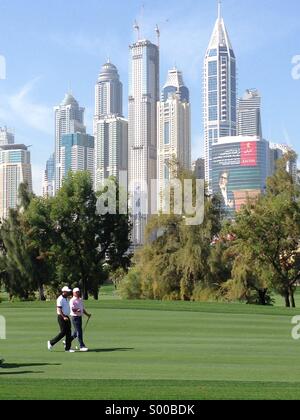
{"points": [[249, 154]]}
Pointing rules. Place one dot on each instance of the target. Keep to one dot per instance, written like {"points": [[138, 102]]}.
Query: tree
{"points": [[84, 241], [269, 231], [179, 260]]}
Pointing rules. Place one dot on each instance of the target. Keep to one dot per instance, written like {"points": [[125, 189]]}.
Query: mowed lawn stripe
{"points": [[210, 350]]}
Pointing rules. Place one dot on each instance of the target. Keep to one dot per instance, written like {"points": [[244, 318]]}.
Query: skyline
{"points": [[27, 97]]}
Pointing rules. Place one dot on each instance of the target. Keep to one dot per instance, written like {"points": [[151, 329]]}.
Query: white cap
{"points": [[76, 290], [66, 289]]}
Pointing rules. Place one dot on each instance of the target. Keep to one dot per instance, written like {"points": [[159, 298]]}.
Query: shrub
{"points": [[131, 286]]}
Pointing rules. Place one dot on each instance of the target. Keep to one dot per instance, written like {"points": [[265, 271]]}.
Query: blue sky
{"points": [[50, 45]]}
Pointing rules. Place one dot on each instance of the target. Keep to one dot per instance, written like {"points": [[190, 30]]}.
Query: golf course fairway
{"points": [[153, 351]]}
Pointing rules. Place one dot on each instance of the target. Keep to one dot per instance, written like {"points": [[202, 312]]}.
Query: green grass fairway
{"points": [[153, 350]]}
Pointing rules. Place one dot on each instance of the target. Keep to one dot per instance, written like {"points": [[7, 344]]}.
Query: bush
{"points": [[203, 293], [131, 286]]}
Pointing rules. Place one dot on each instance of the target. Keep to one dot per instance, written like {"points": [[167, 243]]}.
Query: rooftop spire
{"points": [[219, 9]]}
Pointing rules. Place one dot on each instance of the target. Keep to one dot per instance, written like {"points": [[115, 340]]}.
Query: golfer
{"points": [[63, 317], [77, 312]]}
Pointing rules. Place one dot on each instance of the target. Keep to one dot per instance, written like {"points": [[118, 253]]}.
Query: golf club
{"points": [[86, 324]]}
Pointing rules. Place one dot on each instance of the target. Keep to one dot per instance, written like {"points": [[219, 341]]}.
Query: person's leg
{"points": [[68, 333], [74, 335], [80, 332], [62, 333]]}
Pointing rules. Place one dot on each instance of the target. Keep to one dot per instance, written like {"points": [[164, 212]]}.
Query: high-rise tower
{"points": [[69, 119], [110, 128], [249, 114], [15, 169], [142, 140], [220, 95], [109, 92], [174, 128]]}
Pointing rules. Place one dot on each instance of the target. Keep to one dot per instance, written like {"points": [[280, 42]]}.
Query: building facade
{"points": [[220, 92], [198, 168], [49, 178], [111, 152], [77, 154], [142, 133], [240, 169], [277, 151], [110, 128], [69, 119], [15, 169], [6, 136], [108, 92], [249, 114], [174, 130]]}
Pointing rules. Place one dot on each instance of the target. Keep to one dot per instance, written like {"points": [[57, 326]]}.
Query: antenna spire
{"points": [[136, 27], [157, 30], [219, 9]]}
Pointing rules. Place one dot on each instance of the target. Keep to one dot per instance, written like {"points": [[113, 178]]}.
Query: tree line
{"points": [[49, 242], [245, 259]]}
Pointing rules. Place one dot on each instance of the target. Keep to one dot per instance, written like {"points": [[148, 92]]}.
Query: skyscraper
{"points": [[49, 178], [174, 128], [278, 151], [110, 128], [77, 153], [220, 97], [249, 114], [69, 119], [111, 148], [15, 169], [6, 137], [142, 139], [198, 168], [109, 92]]}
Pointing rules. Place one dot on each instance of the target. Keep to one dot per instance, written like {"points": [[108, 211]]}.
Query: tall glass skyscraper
{"points": [[220, 91], [49, 177], [110, 128], [69, 119], [6, 137], [249, 114], [77, 153], [109, 92], [142, 139], [174, 129], [15, 169]]}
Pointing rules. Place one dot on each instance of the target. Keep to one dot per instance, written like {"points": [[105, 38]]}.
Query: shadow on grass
{"points": [[25, 372], [110, 350], [26, 365]]}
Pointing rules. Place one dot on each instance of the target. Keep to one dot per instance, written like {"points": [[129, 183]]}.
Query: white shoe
{"points": [[64, 343], [84, 350], [49, 346], [70, 351]]}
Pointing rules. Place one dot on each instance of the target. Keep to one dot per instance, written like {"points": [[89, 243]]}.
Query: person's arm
{"points": [[86, 313]]}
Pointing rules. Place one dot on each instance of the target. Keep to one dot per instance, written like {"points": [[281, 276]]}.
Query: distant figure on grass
{"points": [[64, 322], [1, 362], [77, 312]]}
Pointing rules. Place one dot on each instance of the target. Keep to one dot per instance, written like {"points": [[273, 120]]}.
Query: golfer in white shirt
{"points": [[64, 322], [77, 312]]}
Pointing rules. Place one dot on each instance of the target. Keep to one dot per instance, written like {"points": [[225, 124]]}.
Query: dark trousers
{"points": [[65, 331], [78, 333]]}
